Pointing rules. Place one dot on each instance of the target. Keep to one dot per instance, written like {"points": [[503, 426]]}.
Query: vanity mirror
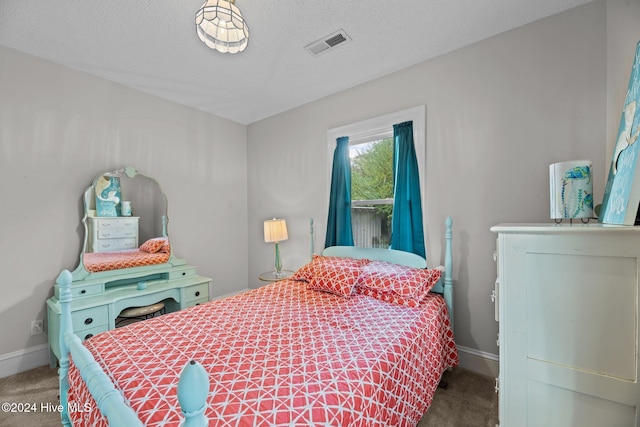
{"points": [[125, 223], [126, 261]]}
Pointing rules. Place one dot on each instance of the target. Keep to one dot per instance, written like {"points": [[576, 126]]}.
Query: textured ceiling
{"points": [[152, 45]]}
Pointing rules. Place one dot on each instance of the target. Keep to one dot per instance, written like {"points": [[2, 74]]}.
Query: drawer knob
{"points": [[88, 336], [88, 321], [84, 291], [197, 293]]}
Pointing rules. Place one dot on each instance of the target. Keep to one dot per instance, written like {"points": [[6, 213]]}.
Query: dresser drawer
{"points": [[114, 233], [104, 224], [108, 245], [182, 272], [85, 291], [85, 334], [194, 302], [193, 293], [90, 319]]}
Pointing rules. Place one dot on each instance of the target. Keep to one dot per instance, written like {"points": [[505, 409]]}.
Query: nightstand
{"points": [[270, 276]]}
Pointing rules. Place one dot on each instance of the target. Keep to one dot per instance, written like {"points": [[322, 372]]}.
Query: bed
{"points": [[308, 350], [154, 251]]}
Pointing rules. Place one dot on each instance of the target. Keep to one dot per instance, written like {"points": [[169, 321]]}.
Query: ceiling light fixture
{"points": [[220, 26]]}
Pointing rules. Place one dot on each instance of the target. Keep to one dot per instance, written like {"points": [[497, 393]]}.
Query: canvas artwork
{"points": [[622, 192], [108, 196]]}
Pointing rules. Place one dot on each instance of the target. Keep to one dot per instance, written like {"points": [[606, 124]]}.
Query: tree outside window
{"points": [[372, 193]]}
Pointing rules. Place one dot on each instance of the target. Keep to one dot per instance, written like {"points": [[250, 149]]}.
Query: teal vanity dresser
{"points": [[127, 263]]}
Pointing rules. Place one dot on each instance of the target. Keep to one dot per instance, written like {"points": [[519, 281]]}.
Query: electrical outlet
{"points": [[37, 327]]}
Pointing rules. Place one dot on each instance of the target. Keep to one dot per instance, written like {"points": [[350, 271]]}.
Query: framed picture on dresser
{"points": [[622, 192], [108, 196]]}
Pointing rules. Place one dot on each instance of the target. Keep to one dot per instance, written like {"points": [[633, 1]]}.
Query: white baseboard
{"points": [[480, 362], [24, 360]]}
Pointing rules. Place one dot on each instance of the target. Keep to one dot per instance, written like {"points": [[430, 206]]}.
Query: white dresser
{"points": [[567, 303], [108, 234]]}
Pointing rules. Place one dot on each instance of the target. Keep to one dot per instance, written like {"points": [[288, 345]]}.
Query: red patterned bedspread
{"points": [[281, 355], [105, 261]]}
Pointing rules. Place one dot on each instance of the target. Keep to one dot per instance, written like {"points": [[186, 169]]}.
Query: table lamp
{"points": [[275, 231]]}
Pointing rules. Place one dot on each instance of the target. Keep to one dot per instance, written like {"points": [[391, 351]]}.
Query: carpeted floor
{"points": [[468, 401]]}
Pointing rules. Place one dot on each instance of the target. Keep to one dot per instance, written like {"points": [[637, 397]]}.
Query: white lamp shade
{"points": [[220, 26], [275, 230]]}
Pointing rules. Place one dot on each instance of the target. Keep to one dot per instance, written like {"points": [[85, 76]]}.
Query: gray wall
{"points": [[499, 112], [58, 129]]}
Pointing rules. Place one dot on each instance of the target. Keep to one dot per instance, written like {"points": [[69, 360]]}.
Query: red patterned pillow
{"points": [[307, 272], [391, 298], [397, 280], [166, 247], [338, 278], [153, 245]]}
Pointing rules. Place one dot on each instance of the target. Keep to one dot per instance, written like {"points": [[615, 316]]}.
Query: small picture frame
{"points": [[107, 189]]}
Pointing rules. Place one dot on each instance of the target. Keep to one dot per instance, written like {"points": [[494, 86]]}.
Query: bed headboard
{"points": [[377, 254]]}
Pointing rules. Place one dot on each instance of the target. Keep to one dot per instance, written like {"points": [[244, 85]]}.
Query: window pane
{"points": [[372, 193]]}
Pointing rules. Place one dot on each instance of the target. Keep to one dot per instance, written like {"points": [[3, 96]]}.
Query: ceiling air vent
{"points": [[327, 42]]}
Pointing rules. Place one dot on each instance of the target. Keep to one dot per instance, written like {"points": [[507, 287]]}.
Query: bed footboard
{"points": [[193, 386]]}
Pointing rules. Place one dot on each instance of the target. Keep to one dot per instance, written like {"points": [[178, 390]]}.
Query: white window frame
{"points": [[378, 128]]}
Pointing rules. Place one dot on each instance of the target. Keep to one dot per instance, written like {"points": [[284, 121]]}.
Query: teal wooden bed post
{"points": [[448, 273], [312, 248], [193, 389], [64, 280], [193, 385], [109, 400]]}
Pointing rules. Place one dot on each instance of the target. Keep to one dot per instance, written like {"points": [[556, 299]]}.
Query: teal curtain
{"points": [[339, 231], [406, 223]]}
